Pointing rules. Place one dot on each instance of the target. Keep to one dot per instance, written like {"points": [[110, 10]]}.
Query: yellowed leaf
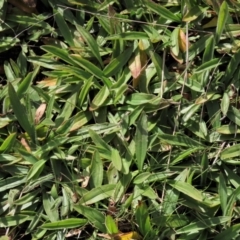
{"points": [[39, 113], [85, 181], [211, 23], [73, 232], [127, 236]]}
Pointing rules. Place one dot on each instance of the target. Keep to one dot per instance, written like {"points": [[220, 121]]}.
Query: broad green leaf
{"points": [[106, 151], [128, 36], [11, 182], [183, 155], [189, 111], [63, 27], [51, 144], [10, 221], [117, 63], [230, 152], [234, 115], [94, 216], [27, 197], [122, 186], [222, 19], [8, 42], [230, 233], [225, 104], [32, 185], [228, 129], [187, 189], [65, 208], [58, 52], [231, 67], [96, 170], [97, 194], [179, 140], [199, 46], [222, 190], [157, 61], [8, 143], [26, 83], [173, 221], [208, 65], [91, 68], [231, 204], [202, 224], [80, 119], [84, 91], [21, 113], [143, 220], [174, 41], [141, 177], [111, 225], [204, 169], [193, 14], [141, 140], [100, 143], [162, 11], [47, 205], [36, 170], [66, 223], [100, 98], [139, 98], [90, 41], [28, 156]]}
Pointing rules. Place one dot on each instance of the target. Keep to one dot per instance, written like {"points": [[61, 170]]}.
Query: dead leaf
{"points": [[112, 210], [137, 64], [25, 144], [85, 181], [73, 232], [31, 3], [39, 113], [27, 6], [104, 235], [182, 41], [178, 58], [48, 82]]}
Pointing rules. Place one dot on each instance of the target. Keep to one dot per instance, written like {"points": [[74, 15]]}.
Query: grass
{"points": [[120, 120]]}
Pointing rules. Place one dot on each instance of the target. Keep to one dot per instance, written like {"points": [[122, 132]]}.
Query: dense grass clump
{"points": [[119, 119]]}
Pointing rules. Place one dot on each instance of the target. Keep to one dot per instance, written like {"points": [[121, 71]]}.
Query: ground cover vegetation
{"points": [[119, 119]]}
